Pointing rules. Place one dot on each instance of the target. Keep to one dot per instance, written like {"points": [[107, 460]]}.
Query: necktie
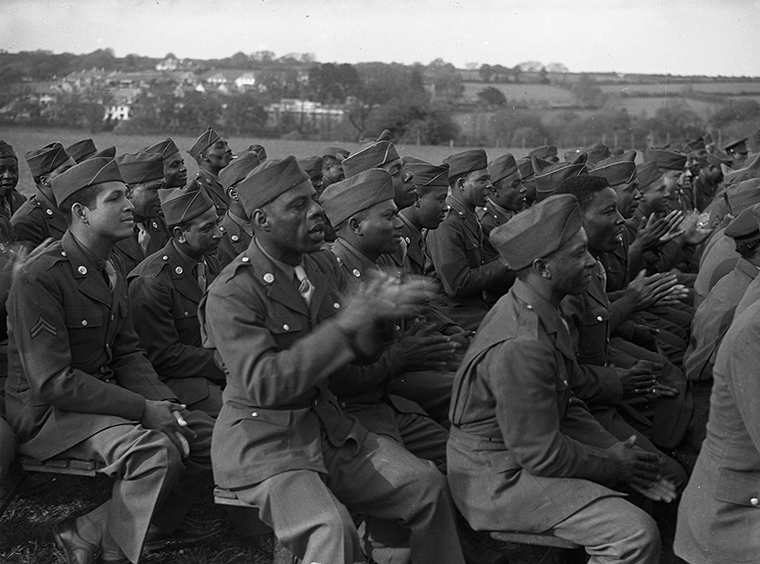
{"points": [[143, 237], [305, 287], [201, 270], [111, 273]]}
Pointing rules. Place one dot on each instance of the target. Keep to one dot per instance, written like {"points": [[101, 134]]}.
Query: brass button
{"points": [[255, 414], [336, 305], [754, 501], [598, 317], [245, 259], [286, 326], [84, 323]]}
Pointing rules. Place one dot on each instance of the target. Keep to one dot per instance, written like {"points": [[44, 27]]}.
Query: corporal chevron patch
{"points": [[42, 325]]}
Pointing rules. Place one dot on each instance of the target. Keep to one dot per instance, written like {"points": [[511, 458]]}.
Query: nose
{"points": [[620, 219], [217, 234], [408, 176], [397, 223], [128, 204], [590, 260]]}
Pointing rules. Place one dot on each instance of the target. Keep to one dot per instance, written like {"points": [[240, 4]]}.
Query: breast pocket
{"points": [[472, 252], [86, 332]]}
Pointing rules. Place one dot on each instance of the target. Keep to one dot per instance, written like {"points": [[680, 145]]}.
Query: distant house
{"points": [[306, 113], [245, 81]]}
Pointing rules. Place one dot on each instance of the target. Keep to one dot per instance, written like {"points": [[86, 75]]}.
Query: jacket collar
{"points": [[87, 273], [550, 317]]}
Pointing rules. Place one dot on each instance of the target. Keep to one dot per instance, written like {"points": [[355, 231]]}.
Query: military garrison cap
{"points": [[206, 139], [82, 150], [550, 175], [311, 165], [426, 174], [269, 180], [46, 159], [504, 167], [6, 151], [752, 170], [736, 146], [744, 228], [665, 159], [238, 169], [648, 173], [466, 161], [166, 148], [336, 152], [538, 231], [107, 153], [259, 150], [546, 152], [139, 168], [743, 195], [352, 195], [372, 155], [617, 170], [183, 204], [719, 159], [696, 144], [526, 168], [90, 172]]}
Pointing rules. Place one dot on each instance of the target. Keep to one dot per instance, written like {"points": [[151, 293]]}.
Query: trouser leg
{"points": [[145, 465], [306, 517], [613, 530], [386, 481], [194, 479]]}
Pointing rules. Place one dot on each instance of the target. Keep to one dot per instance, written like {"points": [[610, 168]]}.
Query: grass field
{"points": [[26, 139]]}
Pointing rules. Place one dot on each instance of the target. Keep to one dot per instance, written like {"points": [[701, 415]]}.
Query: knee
{"points": [[644, 537]]}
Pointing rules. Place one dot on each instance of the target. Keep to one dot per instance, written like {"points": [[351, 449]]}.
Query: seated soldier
{"points": [[144, 176], [79, 385], [165, 290], [235, 225], [524, 454], [212, 154], [656, 400], [281, 327], [10, 199], [507, 196], [175, 172], [39, 218], [313, 167], [332, 165], [464, 262], [368, 226]]}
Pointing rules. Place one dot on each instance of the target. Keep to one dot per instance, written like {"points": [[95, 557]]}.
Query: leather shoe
{"points": [[75, 548], [192, 532]]}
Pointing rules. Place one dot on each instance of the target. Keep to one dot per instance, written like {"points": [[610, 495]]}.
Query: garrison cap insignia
{"points": [[42, 325]]}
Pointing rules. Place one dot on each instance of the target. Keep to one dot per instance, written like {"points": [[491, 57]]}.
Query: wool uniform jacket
{"points": [[74, 361]]}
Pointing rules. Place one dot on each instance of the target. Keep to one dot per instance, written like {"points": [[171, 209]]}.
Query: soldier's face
{"points": [[8, 175], [509, 194], [381, 229], [295, 222], [332, 170], [404, 193], [628, 198], [219, 154], [432, 207], [111, 216], [476, 186], [658, 197], [602, 221], [144, 198], [175, 172], [202, 233], [572, 266]]}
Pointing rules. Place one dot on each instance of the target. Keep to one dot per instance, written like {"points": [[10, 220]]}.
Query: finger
{"points": [[184, 445], [175, 406], [630, 442], [179, 418]]}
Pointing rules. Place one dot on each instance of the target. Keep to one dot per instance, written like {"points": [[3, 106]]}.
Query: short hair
{"points": [[86, 196], [453, 179], [327, 161], [361, 215], [583, 187]]}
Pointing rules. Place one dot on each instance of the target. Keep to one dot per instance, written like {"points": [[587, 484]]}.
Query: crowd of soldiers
{"points": [[381, 356]]}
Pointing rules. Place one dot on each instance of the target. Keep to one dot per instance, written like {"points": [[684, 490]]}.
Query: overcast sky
{"points": [[650, 36]]}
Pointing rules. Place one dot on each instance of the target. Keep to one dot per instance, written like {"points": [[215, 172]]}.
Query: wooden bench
{"points": [[69, 466], [558, 550]]}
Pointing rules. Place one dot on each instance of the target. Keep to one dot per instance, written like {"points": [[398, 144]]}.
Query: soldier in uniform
{"points": [[175, 172], [165, 290], [548, 176], [79, 385], [235, 225], [81, 150], [279, 323], [524, 454], [332, 165], [10, 199], [144, 175], [460, 254], [39, 218], [313, 167], [738, 151], [507, 196], [212, 154]]}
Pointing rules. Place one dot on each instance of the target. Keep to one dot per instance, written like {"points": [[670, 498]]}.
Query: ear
{"points": [[542, 268], [179, 234], [233, 194], [45, 180], [260, 219], [355, 225], [80, 212], [460, 183]]}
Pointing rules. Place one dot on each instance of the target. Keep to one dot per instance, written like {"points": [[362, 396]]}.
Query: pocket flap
{"points": [[739, 488], [83, 317]]}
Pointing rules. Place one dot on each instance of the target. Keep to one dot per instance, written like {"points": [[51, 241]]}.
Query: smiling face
{"points": [[175, 172], [8, 175], [602, 221], [571, 266], [657, 196], [292, 224], [628, 197], [145, 200], [509, 194], [380, 230]]}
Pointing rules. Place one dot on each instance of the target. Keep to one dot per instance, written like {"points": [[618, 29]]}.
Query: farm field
{"points": [[525, 94]]}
